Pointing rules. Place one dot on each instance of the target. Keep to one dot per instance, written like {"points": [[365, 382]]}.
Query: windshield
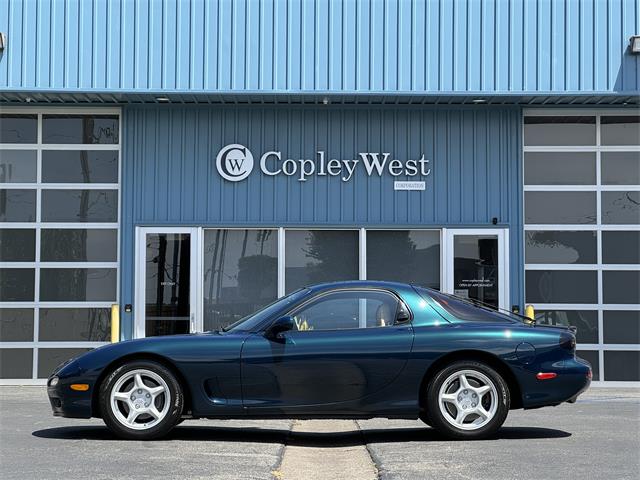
{"points": [[250, 322]]}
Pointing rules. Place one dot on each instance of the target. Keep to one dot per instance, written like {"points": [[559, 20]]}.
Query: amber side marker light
{"points": [[546, 376], [80, 387]]}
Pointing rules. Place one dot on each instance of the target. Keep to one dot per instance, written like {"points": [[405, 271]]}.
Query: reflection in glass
{"points": [[621, 286], [78, 245], [620, 168], [561, 286], [348, 309], [622, 366], [560, 208], [50, 358], [16, 362], [93, 129], [17, 245], [621, 247], [621, 326], [315, 256], [621, 208], [16, 325], [80, 206], [80, 166], [560, 247], [620, 130], [557, 130], [167, 284], [586, 321], [74, 325], [560, 168], [17, 166], [410, 256], [17, 285], [240, 274], [475, 268], [17, 205], [15, 128], [591, 356], [78, 284]]}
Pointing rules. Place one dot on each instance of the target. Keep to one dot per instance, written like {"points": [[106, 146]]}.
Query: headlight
{"points": [[54, 381]]}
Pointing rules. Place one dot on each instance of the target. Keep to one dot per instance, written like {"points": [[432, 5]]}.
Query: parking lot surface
{"points": [[598, 437]]}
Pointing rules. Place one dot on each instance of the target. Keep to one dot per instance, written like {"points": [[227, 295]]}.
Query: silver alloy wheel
{"points": [[144, 403], [468, 399]]}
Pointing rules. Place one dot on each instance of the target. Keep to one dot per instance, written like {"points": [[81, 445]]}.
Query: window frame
{"points": [[400, 302], [38, 225], [598, 227]]}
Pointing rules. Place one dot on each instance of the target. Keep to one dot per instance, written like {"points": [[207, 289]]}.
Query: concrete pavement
{"points": [[598, 437]]}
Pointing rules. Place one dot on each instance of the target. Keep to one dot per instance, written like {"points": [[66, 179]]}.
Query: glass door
{"points": [[476, 265], [166, 279]]}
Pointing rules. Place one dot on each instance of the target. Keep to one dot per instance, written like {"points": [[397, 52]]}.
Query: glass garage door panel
{"points": [[167, 283], [475, 268]]}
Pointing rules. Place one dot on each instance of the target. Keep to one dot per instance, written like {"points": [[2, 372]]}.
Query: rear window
{"points": [[463, 310]]}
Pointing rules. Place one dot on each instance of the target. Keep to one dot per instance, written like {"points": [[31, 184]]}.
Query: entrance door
{"points": [[166, 277], [476, 265]]}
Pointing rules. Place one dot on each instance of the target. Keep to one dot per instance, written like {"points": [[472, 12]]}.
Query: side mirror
{"points": [[281, 325]]}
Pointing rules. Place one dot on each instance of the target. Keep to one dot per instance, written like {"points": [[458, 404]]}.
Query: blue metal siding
{"points": [[170, 178], [426, 47]]}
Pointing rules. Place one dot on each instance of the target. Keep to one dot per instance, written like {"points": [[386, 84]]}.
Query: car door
{"points": [[346, 346]]}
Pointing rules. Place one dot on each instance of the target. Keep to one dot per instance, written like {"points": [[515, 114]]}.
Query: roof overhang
{"points": [[66, 97]]}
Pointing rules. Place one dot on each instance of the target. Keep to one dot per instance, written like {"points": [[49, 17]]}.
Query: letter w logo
{"points": [[235, 164]]}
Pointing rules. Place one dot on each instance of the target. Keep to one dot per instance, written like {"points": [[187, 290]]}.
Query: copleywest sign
{"points": [[235, 162]]}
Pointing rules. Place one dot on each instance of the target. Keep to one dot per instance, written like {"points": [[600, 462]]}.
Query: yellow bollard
{"points": [[115, 323], [529, 312]]}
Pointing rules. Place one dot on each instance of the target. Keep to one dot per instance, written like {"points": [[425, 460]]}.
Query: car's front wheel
{"points": [[467, 400], [141, 400]]}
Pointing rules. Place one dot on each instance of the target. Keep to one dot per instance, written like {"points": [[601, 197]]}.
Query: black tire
{"points": [[436, 418], [164, 426]]}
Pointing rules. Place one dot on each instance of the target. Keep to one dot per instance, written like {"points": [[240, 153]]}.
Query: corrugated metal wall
{"points": [[339, 45], [170, 177]]}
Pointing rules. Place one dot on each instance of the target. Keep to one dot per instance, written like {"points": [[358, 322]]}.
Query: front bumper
{"points": [[66, 402]]}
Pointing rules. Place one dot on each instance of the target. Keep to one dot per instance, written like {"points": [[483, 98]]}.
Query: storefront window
{"points": [[60, 234], [562, 208], [240, 273], [410, 256], [561, 247], [18, 128], [316, 256], [560, 130], [560, 168], [587, 258], [18, 166]]}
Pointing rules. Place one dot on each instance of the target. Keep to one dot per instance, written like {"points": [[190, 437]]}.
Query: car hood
{"points": [[94, 361]]}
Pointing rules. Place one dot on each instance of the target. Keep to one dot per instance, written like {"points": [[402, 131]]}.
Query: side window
{"points": [[348, 309]]}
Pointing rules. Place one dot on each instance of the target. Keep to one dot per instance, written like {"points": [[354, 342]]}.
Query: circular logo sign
{"points": [[234, 162]]}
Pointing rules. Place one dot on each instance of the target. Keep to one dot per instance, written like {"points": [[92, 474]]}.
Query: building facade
{"points": [[192, 161]]}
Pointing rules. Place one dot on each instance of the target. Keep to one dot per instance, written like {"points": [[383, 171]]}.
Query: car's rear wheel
{"points": [[467, 400], [141, 400]]}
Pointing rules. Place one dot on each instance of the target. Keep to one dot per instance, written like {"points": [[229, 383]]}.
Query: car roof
{"points": [[358, 284]]}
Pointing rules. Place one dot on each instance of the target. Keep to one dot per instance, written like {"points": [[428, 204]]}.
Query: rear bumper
{"points": [[573, 379]]}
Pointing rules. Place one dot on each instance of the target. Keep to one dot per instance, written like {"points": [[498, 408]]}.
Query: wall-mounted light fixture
{"points": [[162, 99], [634, 44], [3, 41]]}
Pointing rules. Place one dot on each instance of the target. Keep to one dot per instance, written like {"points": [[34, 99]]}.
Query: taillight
{"points": [[567, 341], [546, 375]]}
